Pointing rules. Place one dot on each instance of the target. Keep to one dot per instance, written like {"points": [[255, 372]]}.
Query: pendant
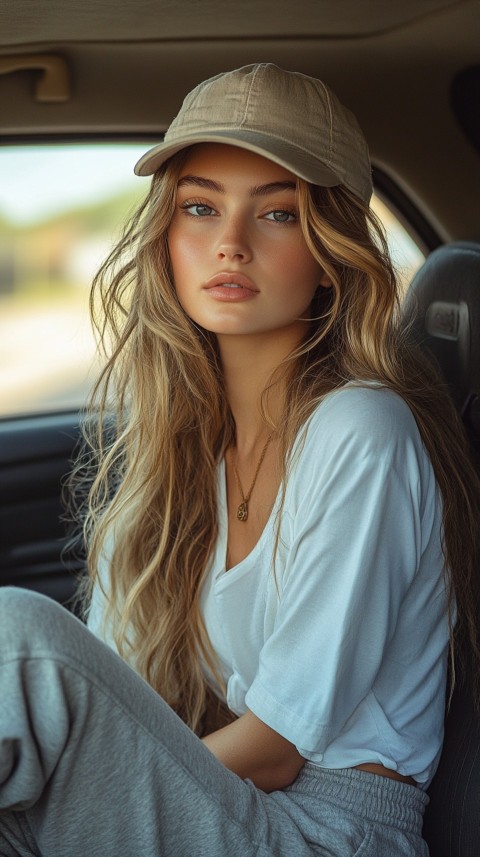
{"points": [[242, 511]]}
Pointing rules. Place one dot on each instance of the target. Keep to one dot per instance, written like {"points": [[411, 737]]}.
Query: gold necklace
{"points": [[242, 511]]}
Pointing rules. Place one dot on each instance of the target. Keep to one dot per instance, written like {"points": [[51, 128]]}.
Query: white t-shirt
{"points": [[343, 651]]}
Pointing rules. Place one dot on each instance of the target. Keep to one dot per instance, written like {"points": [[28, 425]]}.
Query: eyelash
{"points": [[290, 211], [197, 203], [194, 203]]}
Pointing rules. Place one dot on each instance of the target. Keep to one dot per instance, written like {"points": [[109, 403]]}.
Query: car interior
{"points": [[115, 73]]}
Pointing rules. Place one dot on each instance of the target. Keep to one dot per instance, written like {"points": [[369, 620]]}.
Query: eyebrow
{"points": [[256, 190]]}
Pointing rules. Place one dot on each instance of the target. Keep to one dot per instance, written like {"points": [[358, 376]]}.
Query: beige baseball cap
{"points": [[289, 118]]}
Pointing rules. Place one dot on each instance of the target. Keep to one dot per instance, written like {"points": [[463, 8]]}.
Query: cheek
{"points": [[189, 256], [309, 281], [305, 271], [311, 269], [314, 273], [177, 250], [176, 255], [184, 265], [295, 257]]}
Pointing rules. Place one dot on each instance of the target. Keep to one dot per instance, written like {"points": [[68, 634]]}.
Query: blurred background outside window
{"points": [[62, 208]]}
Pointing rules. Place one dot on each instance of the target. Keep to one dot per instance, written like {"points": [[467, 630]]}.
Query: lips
{"points": [[230, 287], [231, 281]]}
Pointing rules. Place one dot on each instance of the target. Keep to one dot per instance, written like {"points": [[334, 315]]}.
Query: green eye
{"points": [[197, 209], [202, 210], [281, 216]]}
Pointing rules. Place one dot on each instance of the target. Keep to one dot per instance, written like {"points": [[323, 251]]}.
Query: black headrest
{"points": [[443, 307]]}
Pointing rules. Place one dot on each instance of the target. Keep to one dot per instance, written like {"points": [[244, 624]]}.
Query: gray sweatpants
{"points": [[93, 762]]}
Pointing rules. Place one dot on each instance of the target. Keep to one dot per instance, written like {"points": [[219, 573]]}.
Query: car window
{"points": [[61, 210], [406, 253]]}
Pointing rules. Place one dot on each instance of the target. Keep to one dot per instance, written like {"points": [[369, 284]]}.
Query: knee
{"points": [[15, 600], [26, 618]]}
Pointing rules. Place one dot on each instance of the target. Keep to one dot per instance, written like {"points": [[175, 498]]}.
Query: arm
{"points": [[216, 715], [250, 748]]}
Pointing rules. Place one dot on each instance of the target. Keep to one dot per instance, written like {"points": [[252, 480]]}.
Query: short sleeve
{"points": [[363, 509]]}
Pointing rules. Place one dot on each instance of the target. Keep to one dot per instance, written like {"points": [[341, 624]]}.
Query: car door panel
{"points": [[35, 458]]}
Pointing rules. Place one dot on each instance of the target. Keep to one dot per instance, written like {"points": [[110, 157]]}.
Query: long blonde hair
{"points": [[159, 423]]}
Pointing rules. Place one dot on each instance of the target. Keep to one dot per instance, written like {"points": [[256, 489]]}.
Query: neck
{"points": [[250, 363]]}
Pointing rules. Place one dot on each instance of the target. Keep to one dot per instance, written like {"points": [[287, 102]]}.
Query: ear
{"points": [[325, 281]]}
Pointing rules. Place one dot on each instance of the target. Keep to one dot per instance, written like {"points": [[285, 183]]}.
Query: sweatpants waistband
{"points": [[366, 795]]}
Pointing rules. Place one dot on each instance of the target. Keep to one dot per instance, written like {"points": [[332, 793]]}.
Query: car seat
{"points": [[442, 311]]}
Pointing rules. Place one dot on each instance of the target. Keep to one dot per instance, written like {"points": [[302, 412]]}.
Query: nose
{"points": [[234, 243]]}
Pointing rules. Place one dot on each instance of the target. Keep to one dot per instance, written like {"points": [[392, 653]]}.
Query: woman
{"points": [[281, 528]]}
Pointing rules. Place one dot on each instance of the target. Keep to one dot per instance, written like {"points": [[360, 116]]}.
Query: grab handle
{"points": [[54, 83]]}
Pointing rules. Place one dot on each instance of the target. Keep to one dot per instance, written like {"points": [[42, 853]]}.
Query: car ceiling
{"points": [[126, 65]]}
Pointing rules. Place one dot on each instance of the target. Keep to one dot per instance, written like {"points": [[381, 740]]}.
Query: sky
{"points": [[40, 181]]}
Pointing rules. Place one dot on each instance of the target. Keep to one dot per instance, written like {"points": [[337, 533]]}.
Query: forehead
{"points": [[223, 162]]}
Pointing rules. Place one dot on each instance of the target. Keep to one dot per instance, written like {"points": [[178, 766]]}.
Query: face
{"points": [[240, 262]]}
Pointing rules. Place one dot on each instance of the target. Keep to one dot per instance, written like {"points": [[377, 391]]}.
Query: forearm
{"points": [[216, 716], [253, 750]]}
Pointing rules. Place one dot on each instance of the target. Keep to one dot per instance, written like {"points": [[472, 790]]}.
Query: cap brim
{"points": [[301, 163]]}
